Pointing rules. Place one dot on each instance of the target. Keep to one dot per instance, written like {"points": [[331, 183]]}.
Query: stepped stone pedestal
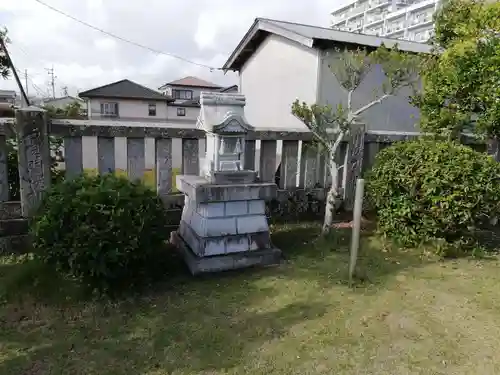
{"points": [[224, 227]]}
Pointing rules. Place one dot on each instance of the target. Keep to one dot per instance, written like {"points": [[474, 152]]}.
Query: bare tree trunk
{"points": [[331, 197]]}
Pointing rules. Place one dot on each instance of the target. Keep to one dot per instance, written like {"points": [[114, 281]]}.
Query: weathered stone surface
{"points": [[73, 156], [251, 224], [204, 264], [354, 164], [236, 208], [10, 210], [201, 191], [214, 209], [224, 244], [15, 245], [13, 227], [34, 157], [233, 177], [256, 207]]}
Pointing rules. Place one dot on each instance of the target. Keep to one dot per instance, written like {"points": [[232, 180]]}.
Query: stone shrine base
{"points": [[199, 265]]}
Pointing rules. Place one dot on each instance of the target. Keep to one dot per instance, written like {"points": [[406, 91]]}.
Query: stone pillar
{"points": [[354, 163], [34, 157]]}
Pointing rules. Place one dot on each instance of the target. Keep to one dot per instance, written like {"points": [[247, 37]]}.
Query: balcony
{"points": [[376, 32], [420, 20], [376, 4], [394, 28], [354, 26], [356, 11], [374, 18], [421, 37]]}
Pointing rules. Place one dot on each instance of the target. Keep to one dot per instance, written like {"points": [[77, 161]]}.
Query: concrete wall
{"points": [[279, 72], [129, 109], [393, 114]]}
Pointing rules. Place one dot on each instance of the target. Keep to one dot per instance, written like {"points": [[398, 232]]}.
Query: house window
{"points": [[109, 109], [181, 111], [152, 109], [183, 94]]}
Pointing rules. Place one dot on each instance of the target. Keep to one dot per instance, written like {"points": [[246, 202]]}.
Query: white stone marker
{"points": [[356, 227]]}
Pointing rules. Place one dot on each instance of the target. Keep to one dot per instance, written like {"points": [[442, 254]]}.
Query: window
{"points": [[183, 94], [152, 109], [109, 109], [181, 111]]}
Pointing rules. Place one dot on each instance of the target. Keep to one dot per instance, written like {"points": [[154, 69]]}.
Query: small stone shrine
{"points": [[224, 225]]}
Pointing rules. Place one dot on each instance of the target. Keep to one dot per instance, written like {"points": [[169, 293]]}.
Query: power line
{"points": [[126, 40], [37, 88]]}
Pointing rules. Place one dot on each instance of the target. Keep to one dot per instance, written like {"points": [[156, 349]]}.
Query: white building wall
{"points": [[130, 109], [191, 113], [279, 72]]}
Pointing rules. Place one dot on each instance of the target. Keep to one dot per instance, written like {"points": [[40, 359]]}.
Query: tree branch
{"points": [[369, 105], [337, 142], [349, 101]]}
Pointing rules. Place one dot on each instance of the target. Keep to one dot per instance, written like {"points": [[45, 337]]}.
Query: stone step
{"points": [[199, 265], [15, 245], [10, 210], [13, 227]]}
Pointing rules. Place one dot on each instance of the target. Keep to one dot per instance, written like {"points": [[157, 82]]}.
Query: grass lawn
{"points": [[410, 314]]}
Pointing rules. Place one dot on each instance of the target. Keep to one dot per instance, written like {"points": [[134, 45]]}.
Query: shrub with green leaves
{"points": [[100, 230], [426, 190]]}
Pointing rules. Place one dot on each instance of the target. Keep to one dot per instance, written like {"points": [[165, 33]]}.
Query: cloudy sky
{"points": [[204, 31]]}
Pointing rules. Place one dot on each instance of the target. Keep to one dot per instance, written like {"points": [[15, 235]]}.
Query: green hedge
{"points": [[100, 230], [425, 190]]}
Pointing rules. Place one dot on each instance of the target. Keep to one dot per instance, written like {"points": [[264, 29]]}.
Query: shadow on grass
{"points": [[326, 258], [181, 324], [205, 325]]}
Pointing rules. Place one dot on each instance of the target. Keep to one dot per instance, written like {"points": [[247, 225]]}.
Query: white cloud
{"points": [[105, 44], [202, 31]]}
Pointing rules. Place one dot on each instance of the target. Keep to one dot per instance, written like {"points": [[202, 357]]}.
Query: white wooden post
{"points": [[356, 227]]}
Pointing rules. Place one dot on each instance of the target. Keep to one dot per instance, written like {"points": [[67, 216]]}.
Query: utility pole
{"points": [[26, 81], [3, 48], [52, 80]]}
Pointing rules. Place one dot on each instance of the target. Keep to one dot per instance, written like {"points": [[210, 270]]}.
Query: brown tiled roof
{"points": [[193, 82]]}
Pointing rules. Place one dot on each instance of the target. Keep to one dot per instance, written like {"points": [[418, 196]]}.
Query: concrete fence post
{"points": [[34, 157]]}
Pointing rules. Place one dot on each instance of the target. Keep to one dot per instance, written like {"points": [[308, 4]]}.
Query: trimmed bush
{"points": [[101, 230], [428, 190]]}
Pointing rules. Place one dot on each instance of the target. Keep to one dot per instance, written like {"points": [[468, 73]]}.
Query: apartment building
{"points": [[399, 19]]}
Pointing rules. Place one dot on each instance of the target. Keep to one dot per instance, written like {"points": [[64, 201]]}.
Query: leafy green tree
{"points": [[72, 110], [4, 63], [462, 82], [330, 126]]}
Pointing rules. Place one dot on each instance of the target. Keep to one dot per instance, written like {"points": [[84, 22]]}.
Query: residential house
{"points": [[186, 94], [126, 101], [292, 61], [8, 96], [7, 101], [61, 103]]}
